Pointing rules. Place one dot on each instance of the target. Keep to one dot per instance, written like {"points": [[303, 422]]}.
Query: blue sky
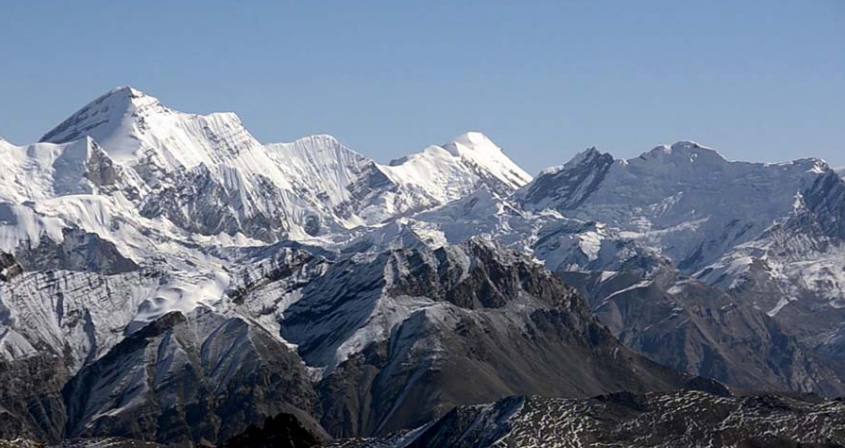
{"points": [[758, 80]]}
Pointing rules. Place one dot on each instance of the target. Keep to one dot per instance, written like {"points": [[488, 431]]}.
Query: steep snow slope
{"points": [[188, 159], [137, 130], [323, 165], [47, 188], [447, 171], [477, 149], [457, 168], [46, 170], [365, 193]]}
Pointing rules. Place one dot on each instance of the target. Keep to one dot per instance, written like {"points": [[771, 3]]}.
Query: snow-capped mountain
{"points": [[164, 186], [166, 276], [168, 189], [129, 212], [364, 192], [684, 199], [209, 175], [206, 174]]}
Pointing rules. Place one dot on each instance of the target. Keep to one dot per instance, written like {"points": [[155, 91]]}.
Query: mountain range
{"points": [[166, 278]]}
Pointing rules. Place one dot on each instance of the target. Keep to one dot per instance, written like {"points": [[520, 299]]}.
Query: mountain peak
{"points": [[567, 186], [585, 157], [684, 149], [471, 141], [127, 91], [472, 138], [123, 97], [103, 115], [478, 149]]}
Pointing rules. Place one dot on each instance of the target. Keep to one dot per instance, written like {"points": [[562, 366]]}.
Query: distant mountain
{"points": [[767, 234], [369, 193], [684, 199]]}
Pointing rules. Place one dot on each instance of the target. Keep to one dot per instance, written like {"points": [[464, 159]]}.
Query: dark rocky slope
{"points": [[699, 329], [184, 380], [478, 323], [689, 418]]}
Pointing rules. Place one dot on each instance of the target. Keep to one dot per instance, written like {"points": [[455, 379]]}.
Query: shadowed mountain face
{"points": [[696, 328], [183, 379], [31, 398], [285, 430], [413, 332]]}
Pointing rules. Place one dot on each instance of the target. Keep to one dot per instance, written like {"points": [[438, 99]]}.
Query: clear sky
{"points": [[758, 80]]}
